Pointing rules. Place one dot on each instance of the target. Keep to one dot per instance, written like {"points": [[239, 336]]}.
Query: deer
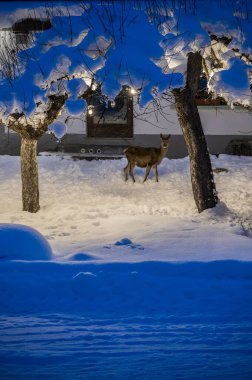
{"points": [[145, 158]]}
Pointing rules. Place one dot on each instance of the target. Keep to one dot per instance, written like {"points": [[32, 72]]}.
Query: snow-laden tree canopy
{"points": [[222, 32], [141, 44]]}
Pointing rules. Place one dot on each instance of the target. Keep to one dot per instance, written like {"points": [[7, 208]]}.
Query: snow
{"points": [[20, 242], [86, 206], [115, 280], [13, 11], [139, 284], [57, 41], [191, 30]]}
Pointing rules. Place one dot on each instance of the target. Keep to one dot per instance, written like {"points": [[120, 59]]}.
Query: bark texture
{"points": [[29, 175], [29, 137], [202, 179]]}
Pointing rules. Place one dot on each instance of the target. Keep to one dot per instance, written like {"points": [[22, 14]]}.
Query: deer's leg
{"points": [[126, 171], [148, 168], [156, 172], [131, 168]]}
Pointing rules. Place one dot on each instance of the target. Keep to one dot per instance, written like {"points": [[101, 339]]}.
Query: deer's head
{"points": [[165, 139]]}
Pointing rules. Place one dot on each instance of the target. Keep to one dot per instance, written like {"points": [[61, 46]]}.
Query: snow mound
{"points": [[124, 241], [81, 257], [19, 242], [129, 243]]}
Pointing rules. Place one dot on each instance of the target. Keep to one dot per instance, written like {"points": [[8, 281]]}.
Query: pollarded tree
{"points": [[24, 115], [209, 38], [204, 39], [31, 129], [202, 179], [35, 82]]}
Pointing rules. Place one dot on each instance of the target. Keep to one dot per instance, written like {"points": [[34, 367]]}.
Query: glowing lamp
{"points": [[90, 110]]}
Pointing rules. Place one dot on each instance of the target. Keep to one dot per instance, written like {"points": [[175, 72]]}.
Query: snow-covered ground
{"points": [[86, 207], [139, 284]]}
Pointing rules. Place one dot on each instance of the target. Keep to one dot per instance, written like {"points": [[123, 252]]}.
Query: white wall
{"points": [[220, 120], [224, 121]]}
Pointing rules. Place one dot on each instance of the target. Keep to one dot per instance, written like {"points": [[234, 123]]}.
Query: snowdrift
{"points": [[19, 242]]}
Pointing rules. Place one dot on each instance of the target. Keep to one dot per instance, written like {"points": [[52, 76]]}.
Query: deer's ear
{"points": [[161, 135]]}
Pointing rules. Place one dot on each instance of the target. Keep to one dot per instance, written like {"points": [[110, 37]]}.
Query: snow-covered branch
{"points": [[34, 127]]}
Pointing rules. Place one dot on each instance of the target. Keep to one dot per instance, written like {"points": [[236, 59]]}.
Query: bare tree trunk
{"points": [[203, 186], [29, 175]]}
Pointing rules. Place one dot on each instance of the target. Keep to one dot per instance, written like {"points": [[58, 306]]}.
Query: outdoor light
{"points": [[90, 110], [93, 86], [132, 91]]}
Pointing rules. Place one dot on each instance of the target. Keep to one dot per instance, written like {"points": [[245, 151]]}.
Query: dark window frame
{"points": [[111, 130]]}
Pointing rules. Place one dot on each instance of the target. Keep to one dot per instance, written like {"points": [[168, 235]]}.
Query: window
{"points": [[109, 118]]}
